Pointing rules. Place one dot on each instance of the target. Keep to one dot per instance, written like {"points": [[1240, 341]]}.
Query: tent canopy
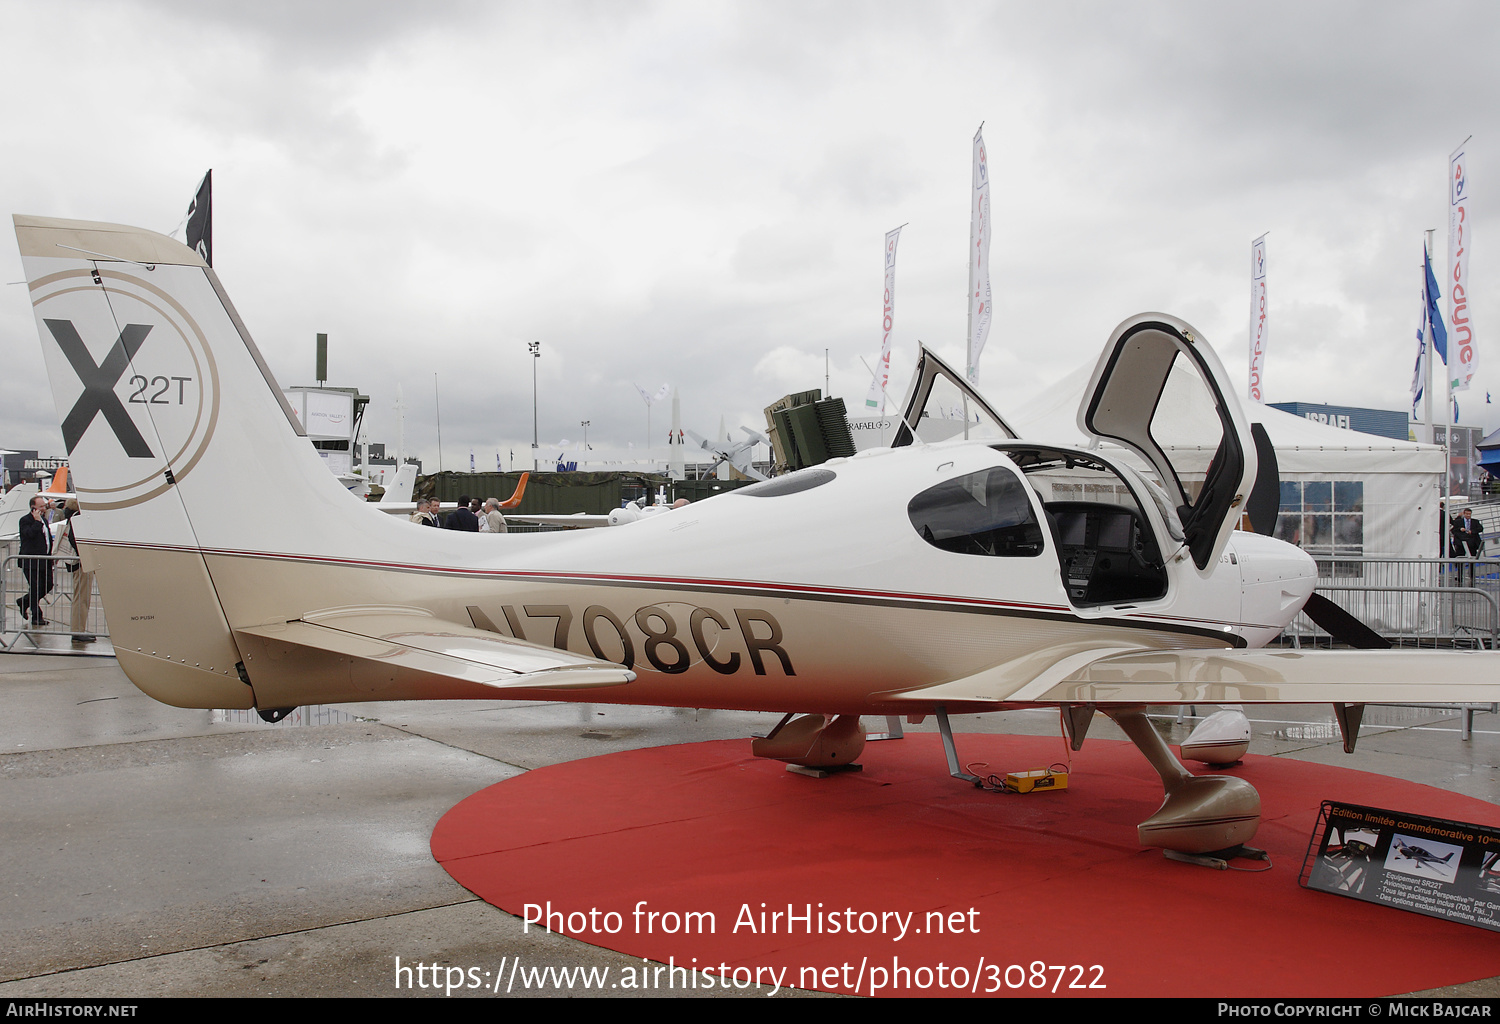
{"points": [[1398, 482], [1302, 446]]}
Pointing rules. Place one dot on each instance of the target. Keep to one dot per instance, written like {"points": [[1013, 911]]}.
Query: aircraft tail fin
{"points": [[171, 419], [515, 499], [400, 489], [15, 503], [168, 414]]}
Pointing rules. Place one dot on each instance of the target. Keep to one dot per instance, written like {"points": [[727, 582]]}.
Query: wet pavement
{"points": [[154, 851]]}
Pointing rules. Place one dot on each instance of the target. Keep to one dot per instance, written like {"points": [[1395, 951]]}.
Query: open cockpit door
{"points": [[941, 406], [1160, 391]]}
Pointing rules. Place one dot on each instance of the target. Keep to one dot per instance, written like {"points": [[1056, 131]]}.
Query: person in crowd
{"points": [[461, 518], [36, 539], [424, 515], [1467, 534], [493, 518], [83, 582]]}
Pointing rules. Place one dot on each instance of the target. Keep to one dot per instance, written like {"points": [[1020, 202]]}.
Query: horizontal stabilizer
{"points": [[416, 642]]}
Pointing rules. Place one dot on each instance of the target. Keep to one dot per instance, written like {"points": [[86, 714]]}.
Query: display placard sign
{"points": [[1447, 869]]}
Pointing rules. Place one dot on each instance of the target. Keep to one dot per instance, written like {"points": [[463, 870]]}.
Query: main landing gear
{"points": [[819, 742], [1203, 819]]}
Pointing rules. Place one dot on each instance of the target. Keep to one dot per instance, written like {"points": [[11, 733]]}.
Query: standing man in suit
{"points": [[36, 539], [461, 518]]}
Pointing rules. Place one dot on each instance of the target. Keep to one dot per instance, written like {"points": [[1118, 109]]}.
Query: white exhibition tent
{"points": [[1402, 479]]}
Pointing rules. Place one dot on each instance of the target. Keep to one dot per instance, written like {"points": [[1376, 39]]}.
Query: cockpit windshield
{"points": [[941, 406], [950, 414]]}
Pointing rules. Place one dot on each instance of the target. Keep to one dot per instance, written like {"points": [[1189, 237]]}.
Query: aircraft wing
{"points": [[577, 520], [1118, 676], [404, 640]]}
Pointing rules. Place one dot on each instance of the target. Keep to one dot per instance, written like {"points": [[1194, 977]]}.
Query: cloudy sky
{"points": [[696, 193]]}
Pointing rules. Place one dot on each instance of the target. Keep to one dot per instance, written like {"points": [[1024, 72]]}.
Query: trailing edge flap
{"points": [[1239, 676], [419, 641]]}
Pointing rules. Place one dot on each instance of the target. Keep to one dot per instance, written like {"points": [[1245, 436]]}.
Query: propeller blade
{"points": [[1265, 496], [1342, 626]]}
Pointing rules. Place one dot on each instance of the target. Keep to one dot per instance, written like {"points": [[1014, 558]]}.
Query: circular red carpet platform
{"points": [[1015, 882]]}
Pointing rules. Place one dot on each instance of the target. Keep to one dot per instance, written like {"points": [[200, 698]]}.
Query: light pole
{"points": [[585, 424], [535, 348], [437, 406]]}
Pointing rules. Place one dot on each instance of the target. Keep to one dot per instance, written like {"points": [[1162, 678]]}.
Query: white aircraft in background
{"points": [[985, 573], [405, 506], [17, 503], [736, 456], [400, 488], [630, 512]]}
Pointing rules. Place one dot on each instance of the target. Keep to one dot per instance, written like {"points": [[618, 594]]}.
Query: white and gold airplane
{"points": [[983, 573]]}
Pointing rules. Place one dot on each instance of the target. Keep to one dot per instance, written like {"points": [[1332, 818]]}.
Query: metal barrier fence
{"points": [[58, 603], [1413, 602]]}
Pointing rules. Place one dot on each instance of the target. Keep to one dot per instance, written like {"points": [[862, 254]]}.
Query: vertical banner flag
{"points": [[1461, 370], [1435, 329], [1419, 372], [979, 258], [883, 368], [1259, 328], [200, 220]]}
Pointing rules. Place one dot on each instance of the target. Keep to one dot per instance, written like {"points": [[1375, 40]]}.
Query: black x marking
{"points": [[99, 386]]}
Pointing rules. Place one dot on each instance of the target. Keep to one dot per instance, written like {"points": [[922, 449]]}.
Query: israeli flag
{"points": [[1417, 374]]}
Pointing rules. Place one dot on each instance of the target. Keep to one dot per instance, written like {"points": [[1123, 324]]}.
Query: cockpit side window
{"points": [[984, 513]]}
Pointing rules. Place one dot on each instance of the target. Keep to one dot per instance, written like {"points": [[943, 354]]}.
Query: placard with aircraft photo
{"points": [[1432, 866]]}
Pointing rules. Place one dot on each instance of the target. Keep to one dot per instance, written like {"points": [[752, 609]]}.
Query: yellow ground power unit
{"points": [[1035, 781]]}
